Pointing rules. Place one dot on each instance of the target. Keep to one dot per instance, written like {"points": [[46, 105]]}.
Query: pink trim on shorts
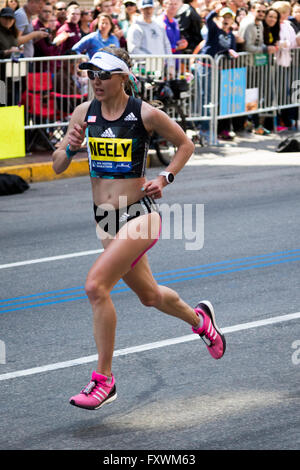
{"points": [[152, 244]]}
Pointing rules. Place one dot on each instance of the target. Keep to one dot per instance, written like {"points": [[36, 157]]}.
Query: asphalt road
{"points": [[171, 395]]}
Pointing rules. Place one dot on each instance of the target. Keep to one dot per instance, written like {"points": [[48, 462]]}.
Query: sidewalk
{"points": [[244, 149], [38, 167]]}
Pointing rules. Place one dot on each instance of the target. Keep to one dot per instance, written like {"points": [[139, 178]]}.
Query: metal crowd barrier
{"points": [[51, 87], [255, 84]]}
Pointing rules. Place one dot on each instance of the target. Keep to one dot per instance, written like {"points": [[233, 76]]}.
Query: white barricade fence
{"points": [[256, 84], [51, 87], [195, 70]]}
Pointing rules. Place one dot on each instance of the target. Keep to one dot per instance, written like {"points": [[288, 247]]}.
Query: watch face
{"points": [[170, 177]]}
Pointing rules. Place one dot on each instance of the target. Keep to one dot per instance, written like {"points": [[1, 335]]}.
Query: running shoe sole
{"points": [[209, 310], [109, 399]]}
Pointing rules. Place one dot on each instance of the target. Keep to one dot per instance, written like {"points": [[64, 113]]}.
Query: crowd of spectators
{"points": [[43, 28]]}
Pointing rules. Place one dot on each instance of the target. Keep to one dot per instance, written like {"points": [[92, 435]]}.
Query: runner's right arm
{"points": [[74, 138]]}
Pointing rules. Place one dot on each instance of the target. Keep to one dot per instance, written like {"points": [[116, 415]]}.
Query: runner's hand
{"points": [[154, 187], [76, 136]]}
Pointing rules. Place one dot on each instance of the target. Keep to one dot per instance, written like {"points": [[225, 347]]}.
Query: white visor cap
{"points": [[106, 61]]}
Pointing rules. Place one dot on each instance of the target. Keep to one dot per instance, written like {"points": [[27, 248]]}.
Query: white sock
{"points": [[201, 320]]}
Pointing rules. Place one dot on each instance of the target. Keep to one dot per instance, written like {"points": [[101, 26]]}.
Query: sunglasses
{"points": [[101, 74]]}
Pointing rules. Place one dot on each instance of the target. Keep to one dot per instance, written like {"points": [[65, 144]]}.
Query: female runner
{"points": [[118, 129]]}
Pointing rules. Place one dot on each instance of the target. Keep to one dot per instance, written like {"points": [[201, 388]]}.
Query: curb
{"points": [[37, 172]]}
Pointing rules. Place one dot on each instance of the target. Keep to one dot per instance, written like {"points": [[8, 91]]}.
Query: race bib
{"points": [[110, 155]]}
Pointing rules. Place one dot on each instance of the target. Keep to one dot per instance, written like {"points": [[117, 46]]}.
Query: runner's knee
{"points": [[151, 298], [95, 289]]}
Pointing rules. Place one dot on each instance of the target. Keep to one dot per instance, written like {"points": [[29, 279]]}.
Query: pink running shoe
{"points": [[96, 394], [209, 332]]}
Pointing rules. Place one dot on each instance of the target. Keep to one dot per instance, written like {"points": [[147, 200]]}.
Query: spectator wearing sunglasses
{"points": [[60, 11], [129, 15], [85, 21], [70, 29], [103, 37], [44, 47]]}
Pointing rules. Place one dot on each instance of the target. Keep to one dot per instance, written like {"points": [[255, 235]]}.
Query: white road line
{"points": [[147, 347], [51, 258]]}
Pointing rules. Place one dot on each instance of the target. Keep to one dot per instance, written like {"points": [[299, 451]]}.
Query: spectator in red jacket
{"points": [[60, 11], [43, 47], [70, 29]]}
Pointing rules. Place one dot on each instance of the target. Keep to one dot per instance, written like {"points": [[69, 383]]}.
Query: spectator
{"points": [[60, 10], [252, 31], [117, 5], [24, 24], [43, 47], [287, 41], [52, 25], [129, 16], [97, 9], [287, 35], [251, 8], [203, 14], [240, 14], [235, 5], [190, 24], [271, 25], [8, 46], [8, 33], [70, 29], [73, 3], [107, 6], [168, 21], [220, 40], [295, 18], [13, 4], [85, 22], [103, 6], [146, 36], [103, 37]]}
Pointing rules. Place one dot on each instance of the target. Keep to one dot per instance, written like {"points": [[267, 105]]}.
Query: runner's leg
{"points": [[140, 279], [109, 268], [201, 318]]}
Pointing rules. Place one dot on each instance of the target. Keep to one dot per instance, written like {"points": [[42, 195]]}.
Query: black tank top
{"points": [[117, 149]]}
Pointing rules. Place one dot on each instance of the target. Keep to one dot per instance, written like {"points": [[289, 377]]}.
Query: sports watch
{"points": [[169, 176], [70, 153]]}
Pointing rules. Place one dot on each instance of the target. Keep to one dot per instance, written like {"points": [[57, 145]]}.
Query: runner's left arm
{"points": [[156, 120]]}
